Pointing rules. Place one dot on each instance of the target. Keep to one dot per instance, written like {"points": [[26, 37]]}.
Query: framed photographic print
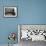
{"points": [[10, 11]]}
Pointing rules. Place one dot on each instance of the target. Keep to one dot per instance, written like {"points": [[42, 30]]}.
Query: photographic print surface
{"points": [[10, 11], [33, 32]]}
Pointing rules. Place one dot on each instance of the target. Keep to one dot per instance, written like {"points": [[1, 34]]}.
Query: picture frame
{"points": [[10, 11]]}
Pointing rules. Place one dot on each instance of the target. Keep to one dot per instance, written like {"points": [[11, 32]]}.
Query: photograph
{"points": [[10, 11], [32, 32]]}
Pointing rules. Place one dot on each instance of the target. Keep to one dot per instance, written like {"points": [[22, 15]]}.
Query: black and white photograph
{"points": [[10, 11]]}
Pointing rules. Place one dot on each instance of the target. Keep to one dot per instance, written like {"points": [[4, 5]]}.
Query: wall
{"points": [[29, 12], [7, 25]]}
